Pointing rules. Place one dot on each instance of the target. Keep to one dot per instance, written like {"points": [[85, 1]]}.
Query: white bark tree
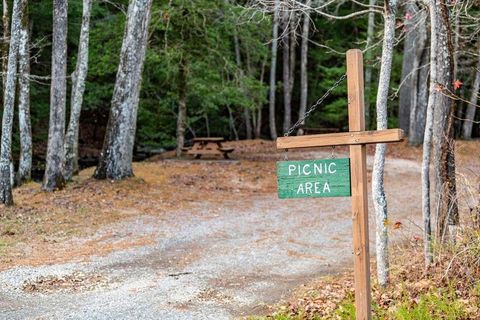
{"points": [[5, 39], [53, 178], [472, 106], [379, 198], [303, 65], [287, 98], [417, 29], [25, 162], [78, 88], [116, 157], [6, 196], [273, 70]]}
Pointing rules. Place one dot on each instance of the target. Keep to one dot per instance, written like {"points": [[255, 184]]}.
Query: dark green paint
{"points": [[314, 178]]}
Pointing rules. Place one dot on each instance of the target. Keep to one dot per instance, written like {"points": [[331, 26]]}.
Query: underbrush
{"points": [[448, 289]]}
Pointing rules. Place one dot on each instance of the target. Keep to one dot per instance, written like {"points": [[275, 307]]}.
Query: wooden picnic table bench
{"points": [[208, 146]]}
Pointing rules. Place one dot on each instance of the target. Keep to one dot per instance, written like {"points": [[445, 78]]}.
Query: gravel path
{"points": [[212, 262]]}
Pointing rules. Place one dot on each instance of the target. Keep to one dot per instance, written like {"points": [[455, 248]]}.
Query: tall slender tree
{"points": [[117, 153], [419, 76], [273, 71], [53, 178], [287, 98], [378, 191], [6, 196], [25, 162], [443, 130], [78, 88], [472, 106], [303, 64]]}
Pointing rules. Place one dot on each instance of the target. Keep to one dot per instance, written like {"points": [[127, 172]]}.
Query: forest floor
{"points": [[191, 239]]}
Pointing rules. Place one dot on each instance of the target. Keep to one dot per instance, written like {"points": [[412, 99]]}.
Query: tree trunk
{"points": [[409, 72], [232, 123], [116, 157], [246, 111], [258, 123], [427, 140], [419, 76], [287, 108], [6, 196], [472, 106], [443, 130], [25, 163], [369, 64], [378, 191], [303, 65], [78, 88], [273, 70], [293, 52], [53, 178], [182, 108], [5, 41]]}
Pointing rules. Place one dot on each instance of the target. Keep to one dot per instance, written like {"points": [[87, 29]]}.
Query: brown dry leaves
{"points": [[77, 281]]}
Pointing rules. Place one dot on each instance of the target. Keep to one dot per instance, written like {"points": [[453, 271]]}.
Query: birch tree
{"points": [[53, 178], [5, 40], [25, 162], [303, 64], [78, 88], [472, 106], [287, 98], [6, 196], [379, 198], [273, 70], [117, 153]]}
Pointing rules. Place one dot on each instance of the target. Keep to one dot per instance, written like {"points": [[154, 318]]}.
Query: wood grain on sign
{"points": [[314, 178]]}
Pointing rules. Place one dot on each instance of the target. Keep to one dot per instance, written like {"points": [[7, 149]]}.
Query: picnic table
{"points": [[208, 146]]}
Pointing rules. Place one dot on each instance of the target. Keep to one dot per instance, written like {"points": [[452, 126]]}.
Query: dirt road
{"points": [[215, 260]]}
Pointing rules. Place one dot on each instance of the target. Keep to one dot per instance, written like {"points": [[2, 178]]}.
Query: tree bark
{"points": [[182, 108], [232, 123], [419, 76], [258, 123], [287, 108], [5, 40], [472, 106], [53, 178], [379, 198], [428, 136], [78, 88], [443, 130], [293, 53], [408, 70], [6, 196], [273, 70], [116, 157], [369, 67], [303, 65], [25, 162]]}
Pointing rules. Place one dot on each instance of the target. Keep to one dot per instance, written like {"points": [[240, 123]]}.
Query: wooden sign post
{"points": [[357, 138]]}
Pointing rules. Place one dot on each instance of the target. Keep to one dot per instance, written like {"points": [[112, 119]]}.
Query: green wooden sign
{"points": [[314, 178]]}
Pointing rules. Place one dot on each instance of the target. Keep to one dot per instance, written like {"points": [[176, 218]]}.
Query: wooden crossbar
{"points": [[340, 139]]}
